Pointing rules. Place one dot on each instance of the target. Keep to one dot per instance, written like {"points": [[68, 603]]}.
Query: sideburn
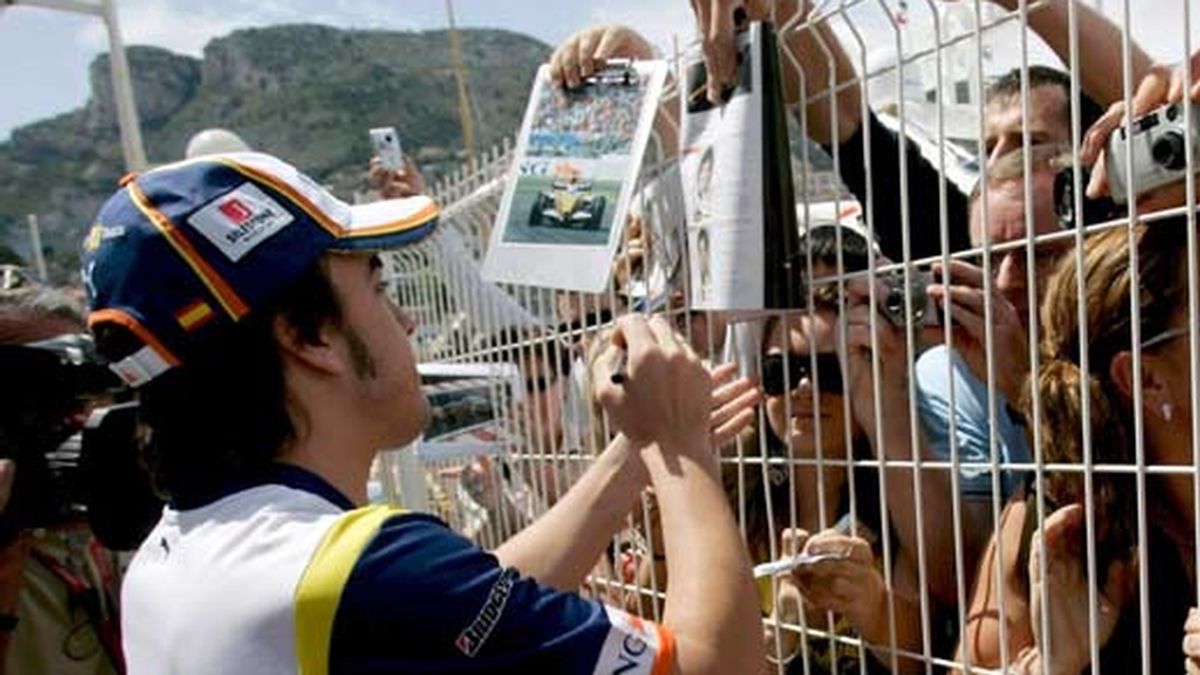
{"points": [[360, 356]]}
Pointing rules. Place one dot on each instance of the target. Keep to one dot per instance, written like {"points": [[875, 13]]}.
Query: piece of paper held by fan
{"points": [[770, 569], [659, 209], [576, 165], [737, 191]]}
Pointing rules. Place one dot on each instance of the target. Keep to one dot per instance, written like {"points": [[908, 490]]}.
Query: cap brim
{"points": [[388, 224]]}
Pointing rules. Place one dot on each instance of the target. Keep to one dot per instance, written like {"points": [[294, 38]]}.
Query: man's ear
{"points": [[320, 355], [1155, 390]]}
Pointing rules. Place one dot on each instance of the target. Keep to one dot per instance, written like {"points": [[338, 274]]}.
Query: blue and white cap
{"points": [[187, 247]]}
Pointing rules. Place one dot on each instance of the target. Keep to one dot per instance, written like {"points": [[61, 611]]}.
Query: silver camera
{"points": [[1159, 144], [893, 303]]}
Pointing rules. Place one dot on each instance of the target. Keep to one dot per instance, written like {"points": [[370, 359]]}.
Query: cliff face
{"points": [[306, 93]]}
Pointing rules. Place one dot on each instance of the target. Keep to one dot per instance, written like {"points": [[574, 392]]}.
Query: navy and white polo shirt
{"points": [[287, 576]]}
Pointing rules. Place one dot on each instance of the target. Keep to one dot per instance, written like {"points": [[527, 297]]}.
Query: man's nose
{"points": [[1010, 273], [406, 321], [1002, 148], [802, 388]]}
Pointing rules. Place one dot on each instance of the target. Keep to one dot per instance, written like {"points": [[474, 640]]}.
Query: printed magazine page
{"points": [[576, 166], [722, 172]]}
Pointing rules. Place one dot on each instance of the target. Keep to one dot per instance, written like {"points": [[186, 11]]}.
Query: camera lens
{"points": [[894, 301], [1168, 151]]}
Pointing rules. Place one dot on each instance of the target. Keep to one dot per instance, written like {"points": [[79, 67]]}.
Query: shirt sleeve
{"points": [[924, 183], [422, 599], [934, 370]]}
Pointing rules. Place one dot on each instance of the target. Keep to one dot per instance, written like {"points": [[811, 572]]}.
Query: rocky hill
{"points": [[307, 93]]}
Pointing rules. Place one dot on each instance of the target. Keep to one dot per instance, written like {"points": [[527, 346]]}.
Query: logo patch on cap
{"points": [[194, 315], [238, 221], [99, 233]]}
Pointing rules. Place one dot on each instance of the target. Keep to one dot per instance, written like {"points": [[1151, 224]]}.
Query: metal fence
{"points": [[956, 473]]}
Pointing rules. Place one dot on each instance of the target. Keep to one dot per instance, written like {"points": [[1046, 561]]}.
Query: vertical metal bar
{"points": [[1193, 292]]}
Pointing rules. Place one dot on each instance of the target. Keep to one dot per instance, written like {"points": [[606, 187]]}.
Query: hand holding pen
{"points": [[733, 399]]}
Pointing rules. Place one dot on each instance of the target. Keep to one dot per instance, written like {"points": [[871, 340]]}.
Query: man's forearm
{"points": [[818, 55], [1100, 53], [586, 517], [907, 605], [936, 498], [712, 605]]}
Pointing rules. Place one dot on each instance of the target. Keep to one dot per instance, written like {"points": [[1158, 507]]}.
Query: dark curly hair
{"points": [[222, 417]]}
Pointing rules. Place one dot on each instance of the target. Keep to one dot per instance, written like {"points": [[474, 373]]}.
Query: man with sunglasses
{"points": [[781, 374]]}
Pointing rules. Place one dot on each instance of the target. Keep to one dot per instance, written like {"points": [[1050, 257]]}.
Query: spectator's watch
{"points": [[8, 623]]}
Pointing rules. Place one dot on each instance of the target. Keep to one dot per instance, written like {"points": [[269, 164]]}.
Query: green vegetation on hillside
{"points": [[304, 92]]}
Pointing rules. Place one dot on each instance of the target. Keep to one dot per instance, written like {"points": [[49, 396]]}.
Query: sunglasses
{"points": [[778, 379]]}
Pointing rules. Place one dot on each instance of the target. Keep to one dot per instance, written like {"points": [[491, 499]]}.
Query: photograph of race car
{"points": [[568, 203], [576, 168]]}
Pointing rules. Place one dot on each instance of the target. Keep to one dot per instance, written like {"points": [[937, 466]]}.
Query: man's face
{"points": [[375, 336], [1006, 197], [540, 415]]}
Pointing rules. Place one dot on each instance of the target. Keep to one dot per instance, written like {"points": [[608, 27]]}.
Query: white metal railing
{"points": [[534, 440]]}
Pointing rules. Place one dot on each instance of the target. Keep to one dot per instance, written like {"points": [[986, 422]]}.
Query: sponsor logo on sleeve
{"points": [[238, 221], [631, 648], [471, 640]]}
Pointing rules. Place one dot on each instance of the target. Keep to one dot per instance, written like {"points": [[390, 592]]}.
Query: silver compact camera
{"points": [[1159, 144], [893, 303]]}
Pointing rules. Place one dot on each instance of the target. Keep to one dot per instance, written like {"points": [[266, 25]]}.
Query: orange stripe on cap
{"points": [[292, 194], [216, 285], [119, 317], [416, 220]]}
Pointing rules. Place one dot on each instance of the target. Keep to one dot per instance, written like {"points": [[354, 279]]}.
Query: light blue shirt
{"points": [[934, 370]]}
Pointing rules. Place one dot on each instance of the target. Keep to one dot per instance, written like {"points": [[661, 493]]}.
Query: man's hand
{"points": [[1160, 87], [1191, 642], [734, 402], [851, 586], [1066, 590], [666, 397], [406, 182], [633, 260], [718, 21], [585, 52], [888, 347], [963, 286], [788, 604]]}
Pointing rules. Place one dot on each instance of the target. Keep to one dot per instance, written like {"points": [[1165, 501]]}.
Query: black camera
{"points": [[894, 303], [74, 444], [1096, 210]]}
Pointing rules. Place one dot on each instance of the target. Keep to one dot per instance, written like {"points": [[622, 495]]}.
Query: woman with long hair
{"points": [[1104, 399]]}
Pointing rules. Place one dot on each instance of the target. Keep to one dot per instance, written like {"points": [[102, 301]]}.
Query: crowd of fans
{"points": [[590, 123], [664, 452]]}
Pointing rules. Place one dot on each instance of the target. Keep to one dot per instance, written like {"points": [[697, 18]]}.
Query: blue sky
{"points": [[44, 54]]}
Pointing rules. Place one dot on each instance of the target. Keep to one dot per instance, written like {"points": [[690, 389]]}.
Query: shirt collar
{"points": [[288, 475]]}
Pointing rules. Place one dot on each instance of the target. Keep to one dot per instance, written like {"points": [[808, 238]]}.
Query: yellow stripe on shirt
{"points": [[321, 585]]}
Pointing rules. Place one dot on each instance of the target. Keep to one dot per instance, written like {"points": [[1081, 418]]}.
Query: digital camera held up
{"points": [[1159, 145], [893, 303]]}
